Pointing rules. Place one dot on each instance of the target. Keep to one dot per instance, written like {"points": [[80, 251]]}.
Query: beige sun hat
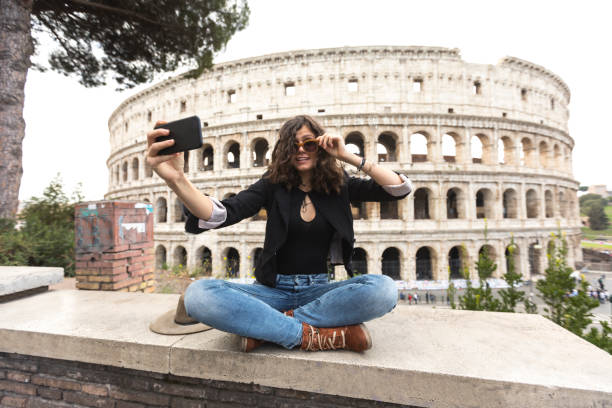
{"points": [[177, 321]]}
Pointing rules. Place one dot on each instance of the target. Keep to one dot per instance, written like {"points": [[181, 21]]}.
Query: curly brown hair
{"points": [[327, 176]]}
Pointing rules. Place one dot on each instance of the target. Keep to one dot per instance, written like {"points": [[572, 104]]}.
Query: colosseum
{"points": [[486, 146]]}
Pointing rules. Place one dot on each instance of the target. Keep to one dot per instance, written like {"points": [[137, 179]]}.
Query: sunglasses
{"points": [[309, 145]]}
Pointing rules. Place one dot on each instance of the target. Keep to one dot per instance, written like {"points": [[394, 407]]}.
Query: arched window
{"points": [[117, 178], [206, 158], [514, 250], [421, 204], [161, 209], [180, 256], [563, 204], [135, 168], [476, 149], [233, 156], [424, 269], [419, 147], [148, 169], [510, 204], [526, 152], [204, 260], [534, 258], [505, 151], [160, 258], [490, 252], [389, 210], [125, 172], [179, 215], [531, 200], [387, 147], [391, 263], [456, 263], [449, 148], [544, 155], [557, 158], [232, 263], [260, 149], [354, 143], [360, 261], [455, 207], [484, 203], [186, 162], [548, 198]]}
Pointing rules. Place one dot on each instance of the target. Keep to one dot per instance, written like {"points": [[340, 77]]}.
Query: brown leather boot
{"points": [[248, 344], [354, 338]]}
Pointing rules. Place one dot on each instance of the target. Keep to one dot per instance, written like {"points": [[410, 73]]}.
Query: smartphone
{"points": [[187, 135]]}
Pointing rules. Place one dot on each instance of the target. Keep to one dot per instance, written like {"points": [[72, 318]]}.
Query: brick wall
{"points": [[114, 246], [33, 382]]}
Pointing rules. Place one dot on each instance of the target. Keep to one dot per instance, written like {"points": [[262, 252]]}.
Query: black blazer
{"points": [[275, 198]]}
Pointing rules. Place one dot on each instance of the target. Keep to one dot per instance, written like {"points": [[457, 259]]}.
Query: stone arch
{"points": [[419, 147], [148, 169], [391, 263], [534, 256], [424, 260], [548, 199], [389, 210], [456, 262], [179, 215], [231, 256], [485, 148], [232, 155], [161, 208], [510, 203], [125, 171], [563, 204], [514, 250], [492, 254], [180, 256], [526, 152], [260, 149], [450, 141], [360, 261], [204, 260], [532, 203], [206, 158], [557, 157], [160, 257], [354, 142], [506, 151], [388, 142], [455, 203], [117, 178], [484, 203], [422, 201], [543, 151], [135, 164]]}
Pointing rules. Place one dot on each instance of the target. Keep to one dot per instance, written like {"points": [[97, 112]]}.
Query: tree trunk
{"points": [[15, 50]]}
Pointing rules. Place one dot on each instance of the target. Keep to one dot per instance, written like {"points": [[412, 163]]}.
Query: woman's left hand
{"points": [[334, 145]]}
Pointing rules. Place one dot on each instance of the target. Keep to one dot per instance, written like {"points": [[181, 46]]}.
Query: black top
{"points": [[305, 251]]}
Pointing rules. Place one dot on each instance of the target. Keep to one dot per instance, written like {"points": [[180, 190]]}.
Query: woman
{"points": [[306, 195]]}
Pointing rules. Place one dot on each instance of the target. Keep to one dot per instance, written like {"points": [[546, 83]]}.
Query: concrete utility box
{"points": [[114, 246]]}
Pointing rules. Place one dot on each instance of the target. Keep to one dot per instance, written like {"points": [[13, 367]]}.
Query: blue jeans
{"points": [[255, 310]]}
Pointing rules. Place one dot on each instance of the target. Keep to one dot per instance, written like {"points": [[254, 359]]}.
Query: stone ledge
{"points": [[421, 357], [14, 279]]}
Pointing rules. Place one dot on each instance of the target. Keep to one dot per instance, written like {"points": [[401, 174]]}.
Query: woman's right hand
{"points": [[169, 167]]}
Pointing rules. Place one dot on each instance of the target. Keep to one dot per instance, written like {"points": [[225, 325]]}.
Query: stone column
{"points": [[406, 156], [245, 261], [246, 159]]}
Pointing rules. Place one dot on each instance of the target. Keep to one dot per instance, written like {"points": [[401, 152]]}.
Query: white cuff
{"points": [[218, 216], [399, 189]]}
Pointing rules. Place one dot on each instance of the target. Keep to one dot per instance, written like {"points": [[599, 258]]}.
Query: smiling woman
{"points": [[307, 197]]}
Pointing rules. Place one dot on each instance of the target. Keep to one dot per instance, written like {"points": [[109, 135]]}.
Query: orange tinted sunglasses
{"points": [[309, 145]]}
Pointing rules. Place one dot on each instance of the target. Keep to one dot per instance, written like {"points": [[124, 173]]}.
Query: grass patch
{"points": [[595, 245]]}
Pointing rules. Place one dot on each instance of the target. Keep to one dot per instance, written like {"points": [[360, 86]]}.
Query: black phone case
{"points": [[187, 134]]}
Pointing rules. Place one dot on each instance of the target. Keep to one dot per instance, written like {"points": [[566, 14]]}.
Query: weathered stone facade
{"points": [[483, 144]]}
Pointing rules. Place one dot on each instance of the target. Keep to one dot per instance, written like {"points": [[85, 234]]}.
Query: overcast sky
{"points": [[66, 124]]}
